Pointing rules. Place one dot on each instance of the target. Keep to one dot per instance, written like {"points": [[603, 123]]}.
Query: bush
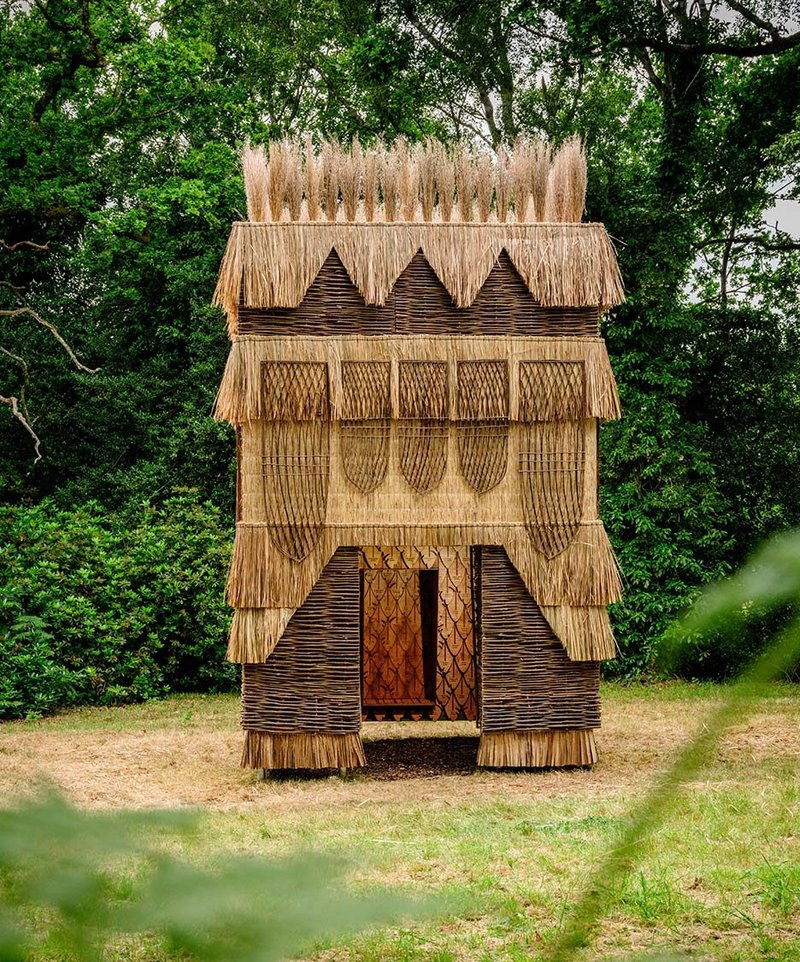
{"points": [[720, 655], [104, 610]]}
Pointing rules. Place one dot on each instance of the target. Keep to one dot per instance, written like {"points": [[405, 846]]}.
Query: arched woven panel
{"points": [[366, 422], [295, 456], [482, 400], [552, 390], [423, 429], [552, 475]]}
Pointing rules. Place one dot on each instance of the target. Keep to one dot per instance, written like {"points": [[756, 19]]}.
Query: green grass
{"points": [[511, 852], [206, 712]]}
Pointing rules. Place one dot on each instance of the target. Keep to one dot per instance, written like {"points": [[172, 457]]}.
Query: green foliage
{"points": [[104, 611], [73, 884]]}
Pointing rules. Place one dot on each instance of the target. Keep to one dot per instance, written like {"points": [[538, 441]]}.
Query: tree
{"points": [[119, 146]]}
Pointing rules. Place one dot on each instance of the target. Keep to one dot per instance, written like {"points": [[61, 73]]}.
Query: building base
{"points": [[537, 749], [302, 750]]}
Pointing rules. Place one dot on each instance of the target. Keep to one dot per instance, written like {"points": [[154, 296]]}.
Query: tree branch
{"points": [[24, 243], [778, 246], [16, 312], [754, 18], [779, 45], [13, 403]]}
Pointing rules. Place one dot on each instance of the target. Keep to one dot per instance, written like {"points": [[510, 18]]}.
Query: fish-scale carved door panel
{"points": [[418, 639]]}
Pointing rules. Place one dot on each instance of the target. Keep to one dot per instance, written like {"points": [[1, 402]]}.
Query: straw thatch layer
{"points": [[302, 750], [537, 749], [585, 632], [424, 181], [273, 265], [584, 574], [241, 397], [255, 632]]}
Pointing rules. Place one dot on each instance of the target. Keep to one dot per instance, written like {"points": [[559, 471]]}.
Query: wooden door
{"points": [[418, 642]]}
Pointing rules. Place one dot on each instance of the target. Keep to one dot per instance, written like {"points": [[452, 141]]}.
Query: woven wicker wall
{"points": [[527, 680], [437, 386], [420, 304], [312, 680]]}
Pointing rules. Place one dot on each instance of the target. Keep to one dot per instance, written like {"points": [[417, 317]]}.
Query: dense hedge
{"points": [[97, 608]]}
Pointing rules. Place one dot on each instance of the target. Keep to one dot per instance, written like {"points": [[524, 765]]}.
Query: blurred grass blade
{"points": [[772, 578]]}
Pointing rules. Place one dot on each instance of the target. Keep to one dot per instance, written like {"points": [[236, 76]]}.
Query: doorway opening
{"points": [[418, 652]]}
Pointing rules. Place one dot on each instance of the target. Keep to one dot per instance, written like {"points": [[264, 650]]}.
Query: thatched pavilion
{"points": [[416, 379]]}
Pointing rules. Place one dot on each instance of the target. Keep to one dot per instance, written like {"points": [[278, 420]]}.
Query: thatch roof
{"points": [[273, 265], [376, 208]]}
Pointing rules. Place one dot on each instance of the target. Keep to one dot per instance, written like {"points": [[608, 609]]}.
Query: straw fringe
{"points": [[537, 749], [240, 399], [254, 167], [255, 632], [261, 576], [273, 265], [302, 750], [584, 574], [539, 184], [585, 632]]}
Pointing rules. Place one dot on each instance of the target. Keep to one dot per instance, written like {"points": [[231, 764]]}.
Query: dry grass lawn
{"points": [[721, 880]]}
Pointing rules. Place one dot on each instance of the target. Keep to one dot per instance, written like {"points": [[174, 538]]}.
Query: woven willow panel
{"points": [[366, 422], [482, 401], [423, 430], [312, 680], [527, 680], [420, 304], [552, 390], [552, 475]]}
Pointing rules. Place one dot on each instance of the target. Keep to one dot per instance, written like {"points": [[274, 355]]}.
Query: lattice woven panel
{"points": [[423, 430], [311, 681], [365, 390], [527, 680], [552, 476], [423, 390], [552, 390], [392, 639], [294, 390]]}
